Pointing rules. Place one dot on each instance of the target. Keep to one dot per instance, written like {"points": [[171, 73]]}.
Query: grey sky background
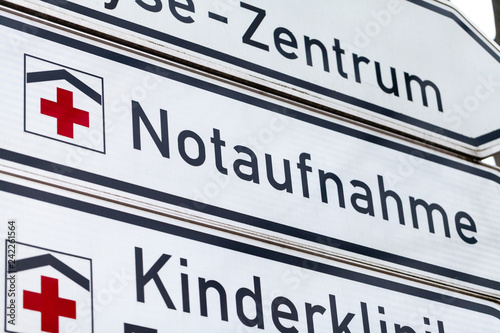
{"points": [[480, 12]]}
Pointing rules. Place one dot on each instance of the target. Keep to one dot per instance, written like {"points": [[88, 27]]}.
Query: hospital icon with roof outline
{"points": [[53, 292], [64, 104]]}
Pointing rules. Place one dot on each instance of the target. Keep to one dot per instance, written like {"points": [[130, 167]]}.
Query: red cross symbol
{"points": [[64, 112], [49, 304]]}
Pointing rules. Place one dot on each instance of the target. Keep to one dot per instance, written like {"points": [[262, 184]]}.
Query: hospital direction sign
{"points": [[144, 128], [418, 67], [158, 276]]}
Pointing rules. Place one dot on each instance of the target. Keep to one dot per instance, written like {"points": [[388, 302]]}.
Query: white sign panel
{"points": [[417, 66], [185, 141], [109, 270]]}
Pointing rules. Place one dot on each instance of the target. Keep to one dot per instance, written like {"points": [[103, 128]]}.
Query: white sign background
{"points": [[109, 236], [282, 131], [426, 38]]}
